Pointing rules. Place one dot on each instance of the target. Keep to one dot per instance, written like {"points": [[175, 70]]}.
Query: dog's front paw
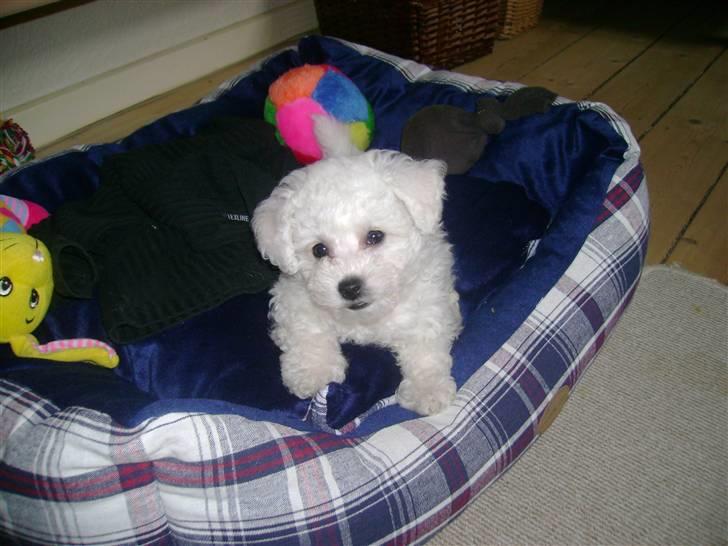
{"points": [[426, 395], [305, 378]]}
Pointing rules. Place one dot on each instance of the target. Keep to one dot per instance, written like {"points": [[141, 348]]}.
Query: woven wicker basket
{"points": [[517, 16], [439, 33]]}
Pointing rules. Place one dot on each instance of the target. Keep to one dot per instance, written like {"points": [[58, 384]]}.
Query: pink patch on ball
{"points": [[295, 126]]}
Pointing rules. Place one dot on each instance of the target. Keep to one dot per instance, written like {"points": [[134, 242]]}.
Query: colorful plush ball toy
{"points": [[311, 90]]}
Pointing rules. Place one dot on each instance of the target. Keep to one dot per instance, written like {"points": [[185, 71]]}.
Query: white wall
{"points": [[64, 71]]}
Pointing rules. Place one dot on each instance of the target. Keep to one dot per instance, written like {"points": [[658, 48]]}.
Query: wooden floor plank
{"points": [[585, 65], [514, 58], [573, 40], [684, 156], [703, 248], [645, 89]]}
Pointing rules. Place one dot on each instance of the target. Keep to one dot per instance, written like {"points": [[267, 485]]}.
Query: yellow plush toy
{"points": [[26, 287]]}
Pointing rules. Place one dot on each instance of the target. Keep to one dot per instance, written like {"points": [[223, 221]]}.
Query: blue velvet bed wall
{"points": [[193, 437]]}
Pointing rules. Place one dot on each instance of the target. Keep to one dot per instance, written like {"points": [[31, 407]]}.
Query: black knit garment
{"points": [[167, 234]]}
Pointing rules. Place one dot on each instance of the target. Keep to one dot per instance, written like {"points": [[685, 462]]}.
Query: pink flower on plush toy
{"points": [[17, 215]]}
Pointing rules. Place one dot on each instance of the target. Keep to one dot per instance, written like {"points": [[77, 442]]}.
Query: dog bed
{"points": [[193, 439]]}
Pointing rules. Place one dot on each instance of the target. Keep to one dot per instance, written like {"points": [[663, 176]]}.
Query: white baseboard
{"points": [[54, 116]]}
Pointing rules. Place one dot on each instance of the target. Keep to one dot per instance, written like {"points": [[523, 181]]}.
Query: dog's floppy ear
{"points": [[272, 227], [420, 185]]}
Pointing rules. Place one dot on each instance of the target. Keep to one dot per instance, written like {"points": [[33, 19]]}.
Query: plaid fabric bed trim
{"points": [[76, 477]]}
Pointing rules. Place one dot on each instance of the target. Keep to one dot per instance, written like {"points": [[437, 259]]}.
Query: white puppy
{"points": [[363, 258]]}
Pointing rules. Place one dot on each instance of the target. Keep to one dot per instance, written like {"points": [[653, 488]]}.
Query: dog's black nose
{"points": [[350, 288]]}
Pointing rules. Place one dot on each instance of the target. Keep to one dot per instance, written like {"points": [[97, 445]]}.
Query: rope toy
{"points": [[15, 146]]}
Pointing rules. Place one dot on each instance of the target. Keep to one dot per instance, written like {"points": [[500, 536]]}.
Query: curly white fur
{"points": [[372, 222]]}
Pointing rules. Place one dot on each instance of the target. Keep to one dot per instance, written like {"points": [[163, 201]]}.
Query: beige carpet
{"points": [[638, 455]]}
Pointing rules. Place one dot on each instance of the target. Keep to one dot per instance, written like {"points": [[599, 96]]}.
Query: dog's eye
{"points": [[6, 286], [374, 237], [319, 250]]}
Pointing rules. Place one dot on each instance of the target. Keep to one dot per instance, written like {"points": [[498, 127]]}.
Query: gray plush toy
{"points": [[458, 136]]}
